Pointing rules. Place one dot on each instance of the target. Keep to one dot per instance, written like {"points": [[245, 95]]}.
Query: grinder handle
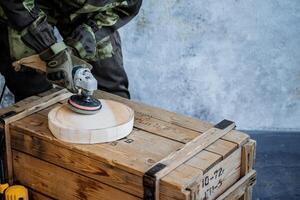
{"points": [[34, 62]]}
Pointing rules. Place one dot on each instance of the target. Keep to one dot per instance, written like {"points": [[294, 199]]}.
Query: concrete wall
{"points": [[236, 59]]}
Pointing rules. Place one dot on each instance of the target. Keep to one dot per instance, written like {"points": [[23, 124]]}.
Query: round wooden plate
{"points": [[114, 121]]}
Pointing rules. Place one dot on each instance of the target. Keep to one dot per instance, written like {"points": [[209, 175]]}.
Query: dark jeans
{"points": [[109, 72]]}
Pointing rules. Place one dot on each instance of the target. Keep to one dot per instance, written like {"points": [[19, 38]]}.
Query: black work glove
{"points": [[62, 66], [61, 63], [39, 35]]}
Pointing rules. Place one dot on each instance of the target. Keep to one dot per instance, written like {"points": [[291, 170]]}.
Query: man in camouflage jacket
{"points": [[87, 27]]}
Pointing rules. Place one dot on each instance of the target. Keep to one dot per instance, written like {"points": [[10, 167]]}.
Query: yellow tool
{"points": [[15, 192]]}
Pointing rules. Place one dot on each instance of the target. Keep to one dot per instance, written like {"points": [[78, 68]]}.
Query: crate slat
{"points": [[60, 183]]}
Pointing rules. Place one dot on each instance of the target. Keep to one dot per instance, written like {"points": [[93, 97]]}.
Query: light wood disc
{"points": [[114, 121]]}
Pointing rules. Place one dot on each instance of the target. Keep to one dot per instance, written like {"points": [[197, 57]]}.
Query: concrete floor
{"points": [[277, 165]]}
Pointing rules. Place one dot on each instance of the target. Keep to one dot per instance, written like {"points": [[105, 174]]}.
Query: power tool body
{"points": [[83, 101]]}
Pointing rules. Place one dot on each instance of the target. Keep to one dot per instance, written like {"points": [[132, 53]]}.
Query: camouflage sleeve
{"points": [[20, 13], [103, 20], [27, 18]]}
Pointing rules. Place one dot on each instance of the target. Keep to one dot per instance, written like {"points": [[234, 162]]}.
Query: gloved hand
{"points": [[61, 68]]}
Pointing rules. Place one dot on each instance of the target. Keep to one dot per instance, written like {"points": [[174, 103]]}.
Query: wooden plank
{"points": [[216, 180], [189, 150], [173, 186], [164, 129], [172, 118], [192, 148], [248, 194], [185, 135], [222, 147], [172, 189], [167, 116], [8, 154], [32, 61], [205, 160], [239, 188], [49, 179], [25, 101], [46, 111], [248, 157], [237, 137], [34, 195], [18, 104], [248, 161], [51, 91], [37, 105], [47, 151]]}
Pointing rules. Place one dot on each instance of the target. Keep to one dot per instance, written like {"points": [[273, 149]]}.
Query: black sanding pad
{"points": [[86, 105]]}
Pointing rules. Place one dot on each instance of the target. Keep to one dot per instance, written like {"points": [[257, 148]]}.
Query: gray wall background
{"points": [[235, 59]]}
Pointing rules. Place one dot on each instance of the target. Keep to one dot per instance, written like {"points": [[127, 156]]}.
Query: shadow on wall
{"points": [[218, 59]]}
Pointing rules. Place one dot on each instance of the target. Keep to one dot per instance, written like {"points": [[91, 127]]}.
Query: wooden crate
{"points": [[53, 169]]}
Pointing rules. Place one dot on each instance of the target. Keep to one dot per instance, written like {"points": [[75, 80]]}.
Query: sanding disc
{"points": [[114, 121], [84, 105]]}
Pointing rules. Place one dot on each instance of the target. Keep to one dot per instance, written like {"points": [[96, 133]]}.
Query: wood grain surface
{"points": [[114, 121]]}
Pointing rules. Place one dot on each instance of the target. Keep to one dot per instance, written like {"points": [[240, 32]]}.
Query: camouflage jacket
{"points": [[84, 24]]}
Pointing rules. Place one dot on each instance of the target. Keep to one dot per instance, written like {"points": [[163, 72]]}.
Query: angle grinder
{"points": [[84, 102]]}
